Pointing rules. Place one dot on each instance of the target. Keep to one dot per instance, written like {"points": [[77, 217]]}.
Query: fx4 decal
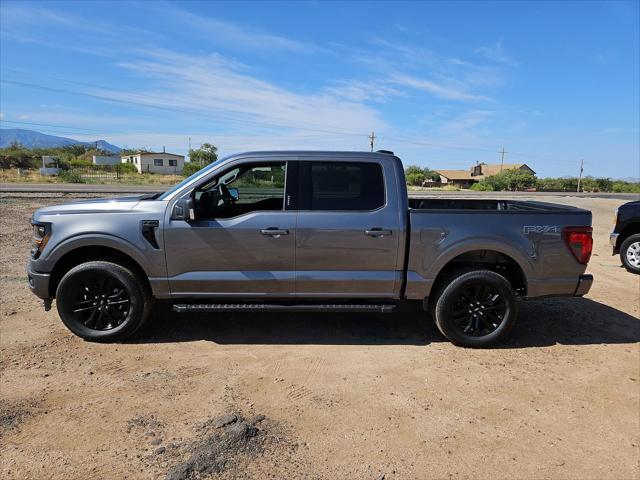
{"points": [[540, 229]]}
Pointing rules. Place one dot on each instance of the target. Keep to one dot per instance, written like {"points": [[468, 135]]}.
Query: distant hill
{"points": [[33, 139]]}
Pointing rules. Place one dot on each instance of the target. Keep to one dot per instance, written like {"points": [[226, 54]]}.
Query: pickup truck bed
{"points": [[528, 232]]}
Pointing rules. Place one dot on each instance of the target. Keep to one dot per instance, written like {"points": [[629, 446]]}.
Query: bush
{"points": [[17, 156], [70, 176], [415, 178], [127, 168], [416, 175], [513, 180], [625, 187], [482, 187], [76, 162], [190, 168]]}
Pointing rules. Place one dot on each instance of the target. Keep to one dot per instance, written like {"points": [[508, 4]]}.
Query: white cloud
{"points": [[360, 91], [246, 37], [450, 90], [496, 53], [213, 85]]}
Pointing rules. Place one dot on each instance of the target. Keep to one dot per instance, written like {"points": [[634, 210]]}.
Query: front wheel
{"points": [[476, 309], [102, 301], [630, 253]]}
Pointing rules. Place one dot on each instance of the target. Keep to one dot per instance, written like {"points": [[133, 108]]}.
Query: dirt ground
{"points": [[322, 396]]}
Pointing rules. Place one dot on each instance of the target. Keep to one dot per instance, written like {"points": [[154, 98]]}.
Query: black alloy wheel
{"points": [[475, 308], [102, 301], [478, 309]]}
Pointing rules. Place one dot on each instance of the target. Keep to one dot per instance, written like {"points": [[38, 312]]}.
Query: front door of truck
{"points": [[348, 231], [242, 240]]}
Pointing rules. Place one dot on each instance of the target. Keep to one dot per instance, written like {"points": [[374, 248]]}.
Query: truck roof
{"points": [[315, 154]]}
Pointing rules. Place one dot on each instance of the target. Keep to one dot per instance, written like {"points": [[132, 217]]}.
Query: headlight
{"points": [[40, 238]]}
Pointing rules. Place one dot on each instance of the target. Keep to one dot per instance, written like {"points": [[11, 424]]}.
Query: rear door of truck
{"points": [[349, 229]]}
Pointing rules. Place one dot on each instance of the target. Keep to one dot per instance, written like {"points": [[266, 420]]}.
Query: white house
{"points": [[106, 160], [163, 163]]}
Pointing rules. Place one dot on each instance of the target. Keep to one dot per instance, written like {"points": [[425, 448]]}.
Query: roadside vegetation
{"points": [[19, 164], [519, 180]]}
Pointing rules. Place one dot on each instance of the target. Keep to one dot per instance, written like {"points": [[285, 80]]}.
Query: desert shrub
{"points": [[482, 187], [127, 168], [71, 176]]}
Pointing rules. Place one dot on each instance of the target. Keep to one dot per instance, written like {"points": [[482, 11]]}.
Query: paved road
{"points": [[93, 188]]}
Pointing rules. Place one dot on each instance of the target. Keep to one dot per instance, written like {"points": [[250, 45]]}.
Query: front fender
{"points": [[46, 264]]}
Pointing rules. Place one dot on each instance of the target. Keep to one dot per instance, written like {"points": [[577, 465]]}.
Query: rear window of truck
{"points": [[345, 186]]}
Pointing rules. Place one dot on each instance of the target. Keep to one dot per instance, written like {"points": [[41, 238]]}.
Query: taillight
{"points": [[580, 242]]}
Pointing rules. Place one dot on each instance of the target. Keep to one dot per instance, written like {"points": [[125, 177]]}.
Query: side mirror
{"points": [[234, 194], [184, 210]]}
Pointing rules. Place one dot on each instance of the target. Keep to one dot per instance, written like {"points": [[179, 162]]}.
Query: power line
{"points": [[60, 126], [176, 109], [297, 125], [218, 116]]}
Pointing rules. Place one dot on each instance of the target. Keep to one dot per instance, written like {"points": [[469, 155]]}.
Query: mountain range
{"points": [[33, 139]]}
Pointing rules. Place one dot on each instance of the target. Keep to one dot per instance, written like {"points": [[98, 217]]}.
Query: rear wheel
{"points": [[476, 309], [630, 253], [102, 301]]}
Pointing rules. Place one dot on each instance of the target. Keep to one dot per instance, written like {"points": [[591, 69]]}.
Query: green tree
{"points": [[17, 156], [517, 179], [417, 175], [431, 174], [190, 168], [206, 154], [415, 178]]}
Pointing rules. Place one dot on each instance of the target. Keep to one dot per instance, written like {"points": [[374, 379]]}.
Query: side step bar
{"points": [[271, 307]]}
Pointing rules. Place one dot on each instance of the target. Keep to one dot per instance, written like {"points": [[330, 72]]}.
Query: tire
{"points": [[630, 253], [102, 301], [475, 309]]}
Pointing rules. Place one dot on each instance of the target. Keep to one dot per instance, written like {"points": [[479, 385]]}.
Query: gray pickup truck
{"points": [[305, 231]]}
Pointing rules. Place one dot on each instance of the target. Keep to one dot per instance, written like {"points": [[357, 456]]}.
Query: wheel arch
{"points": [[88, 253], [626, 232], [487, 258]]}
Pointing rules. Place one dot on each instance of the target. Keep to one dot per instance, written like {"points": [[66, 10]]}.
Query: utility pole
{"points": [[372, 137], [189, 143], [580, 175], [502, 158]]}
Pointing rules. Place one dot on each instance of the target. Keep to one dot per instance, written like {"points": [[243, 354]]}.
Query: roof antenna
{"points": [[164, 150]]}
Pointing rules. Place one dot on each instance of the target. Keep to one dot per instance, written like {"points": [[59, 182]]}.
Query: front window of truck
{"points": [[187, 180]]}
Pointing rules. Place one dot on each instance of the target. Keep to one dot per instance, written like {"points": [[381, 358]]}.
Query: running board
{"points": [[271, 307]]}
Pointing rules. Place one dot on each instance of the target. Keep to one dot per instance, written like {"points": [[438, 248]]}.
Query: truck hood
{"points": [[95, 205]]}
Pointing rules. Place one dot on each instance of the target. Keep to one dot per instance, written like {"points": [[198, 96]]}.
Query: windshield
{"points": [[184, 182]]}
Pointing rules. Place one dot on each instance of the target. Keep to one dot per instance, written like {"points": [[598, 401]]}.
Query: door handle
{"points": [[274, 232], [377, 232]]}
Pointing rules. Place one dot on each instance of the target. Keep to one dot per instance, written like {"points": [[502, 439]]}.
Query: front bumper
{"points": [[584, 284], [613, 241], [38, 283]]}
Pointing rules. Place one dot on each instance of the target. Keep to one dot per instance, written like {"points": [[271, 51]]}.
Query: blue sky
{"points": [[442, 84]]}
